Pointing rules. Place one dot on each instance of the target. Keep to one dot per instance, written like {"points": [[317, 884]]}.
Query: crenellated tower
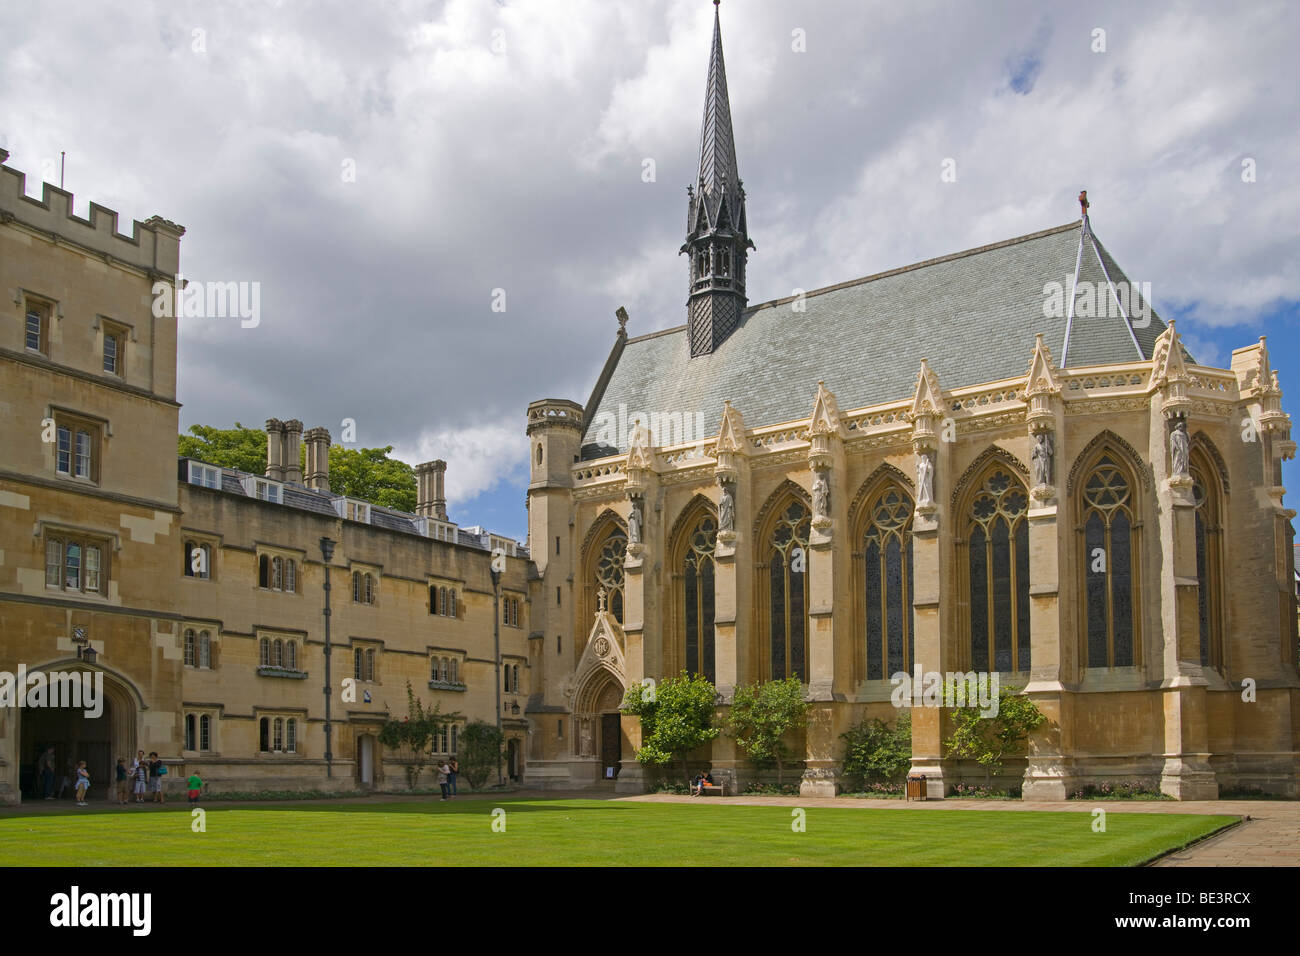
{"points": [[717, 237]]}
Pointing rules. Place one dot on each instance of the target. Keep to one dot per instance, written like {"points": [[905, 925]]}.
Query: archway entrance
{"points": [[98, 740], [611, 733]]}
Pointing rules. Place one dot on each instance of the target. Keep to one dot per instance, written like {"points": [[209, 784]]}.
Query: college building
{"points": [[999, 461]]}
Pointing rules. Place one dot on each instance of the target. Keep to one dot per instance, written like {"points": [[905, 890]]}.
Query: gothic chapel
{"points": [[929, 495]]}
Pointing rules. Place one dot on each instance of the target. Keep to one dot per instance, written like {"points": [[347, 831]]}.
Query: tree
{"points": [[874, 752], [676, 717], [369, 474], [409, 737], [364, 473], [990, 740], [762, 714], [240, 448], [482, 746]]}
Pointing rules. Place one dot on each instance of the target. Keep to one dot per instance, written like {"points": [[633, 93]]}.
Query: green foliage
{"points": [[364, 473], [369, 474], [410, 736], [762, 714], [990, 740], [676, 717], [877, 755], [481, 749], [241, 448]]}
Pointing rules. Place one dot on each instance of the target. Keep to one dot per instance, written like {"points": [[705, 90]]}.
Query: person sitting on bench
{"points": [[705, 780]]}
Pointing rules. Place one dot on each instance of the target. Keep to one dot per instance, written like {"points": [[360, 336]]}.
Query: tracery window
{"points": [[1109, 571], [1209, 563], [697, 596], [609, 572], [787, 592], [887, 560], [997, 542]]}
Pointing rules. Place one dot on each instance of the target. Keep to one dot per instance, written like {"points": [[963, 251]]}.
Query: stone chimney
{"points": [[292, 454], [318, 459], [431, 499], [275, 449]]}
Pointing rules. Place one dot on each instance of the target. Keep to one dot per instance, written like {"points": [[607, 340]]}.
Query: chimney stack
{"points": [[431, 499], [292, 454], [275, 449], [318, 459]]}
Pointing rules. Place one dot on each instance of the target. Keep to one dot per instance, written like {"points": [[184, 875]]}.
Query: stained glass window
{"points": [[1108, 566], [887, 562], [609, 572], [998, 567], [788, 593], [697, 573]]}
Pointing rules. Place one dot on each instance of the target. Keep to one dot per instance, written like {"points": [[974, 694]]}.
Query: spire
{"points": [[719, 178], [717, 237]]}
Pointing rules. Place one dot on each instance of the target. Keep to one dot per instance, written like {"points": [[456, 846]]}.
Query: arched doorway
{"points": [[98, 739], [611, 730], [599, 729]]}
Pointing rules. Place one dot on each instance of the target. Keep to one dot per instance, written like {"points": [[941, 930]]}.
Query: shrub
{"points": [[989, 741], [676, 717], [481, 750], [877, 754], [762, 714]]}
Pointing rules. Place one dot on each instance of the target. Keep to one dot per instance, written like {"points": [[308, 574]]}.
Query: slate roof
{"points": [[972, 314], [322, 503]]}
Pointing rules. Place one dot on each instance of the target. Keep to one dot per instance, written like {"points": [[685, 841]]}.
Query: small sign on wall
{"points": [[609, 773]]}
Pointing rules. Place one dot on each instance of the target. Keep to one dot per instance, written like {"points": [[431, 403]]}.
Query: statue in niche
{"points": [[924, 480], [1179, 448], [727, 509], [1042, 459], [821, 496], [634, 524], [586, 737]]}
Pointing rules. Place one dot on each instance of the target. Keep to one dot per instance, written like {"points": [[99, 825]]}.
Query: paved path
{"points": [[1270, 837]]}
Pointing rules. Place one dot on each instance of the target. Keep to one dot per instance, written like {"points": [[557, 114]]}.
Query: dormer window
{"points": [[263, 489], [352, 510], [205, 476]]}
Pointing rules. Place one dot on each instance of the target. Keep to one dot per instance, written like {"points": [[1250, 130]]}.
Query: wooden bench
{"points": [[714, 789]]}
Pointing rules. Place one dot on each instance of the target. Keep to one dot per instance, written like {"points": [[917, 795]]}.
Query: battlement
{"points": [[554, 411], [154, 245]]}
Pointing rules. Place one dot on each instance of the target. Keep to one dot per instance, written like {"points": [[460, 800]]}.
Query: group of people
{"points": [[144, 776], [448, 771]]}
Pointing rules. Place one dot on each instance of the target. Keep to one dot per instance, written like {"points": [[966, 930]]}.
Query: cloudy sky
{"points": [[383, 168]]}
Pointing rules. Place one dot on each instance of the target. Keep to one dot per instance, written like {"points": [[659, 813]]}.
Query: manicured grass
{"points": [[585, 832]]}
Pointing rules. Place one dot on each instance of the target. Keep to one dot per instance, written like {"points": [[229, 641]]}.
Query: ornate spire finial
{"points": [[1083, 203], [622, 320], [600, 600]]}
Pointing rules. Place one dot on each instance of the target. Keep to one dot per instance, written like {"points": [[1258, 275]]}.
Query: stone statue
{"points": [[1042, 459], [821, 496], [1179, 447], [634, 524], [727, 509], [586, 737], [924, 479]]}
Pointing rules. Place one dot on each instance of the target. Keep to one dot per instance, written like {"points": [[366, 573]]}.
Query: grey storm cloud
{"points": [[502, 146]]}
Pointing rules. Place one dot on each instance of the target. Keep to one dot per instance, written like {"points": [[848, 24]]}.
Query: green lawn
{"points": [[581, 832]]}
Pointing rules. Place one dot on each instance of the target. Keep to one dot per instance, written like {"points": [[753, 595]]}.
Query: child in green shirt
{"points": [[195, 785]]}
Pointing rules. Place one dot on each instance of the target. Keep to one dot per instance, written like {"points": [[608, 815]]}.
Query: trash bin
{"points": [[916, 786]]}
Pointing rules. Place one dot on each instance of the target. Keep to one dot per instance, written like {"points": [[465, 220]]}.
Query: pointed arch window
{"points": [[697, 597], [887, 565], [1209, 561], [997, 544], [1110, 572], [609, 572], [787, 593]]}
